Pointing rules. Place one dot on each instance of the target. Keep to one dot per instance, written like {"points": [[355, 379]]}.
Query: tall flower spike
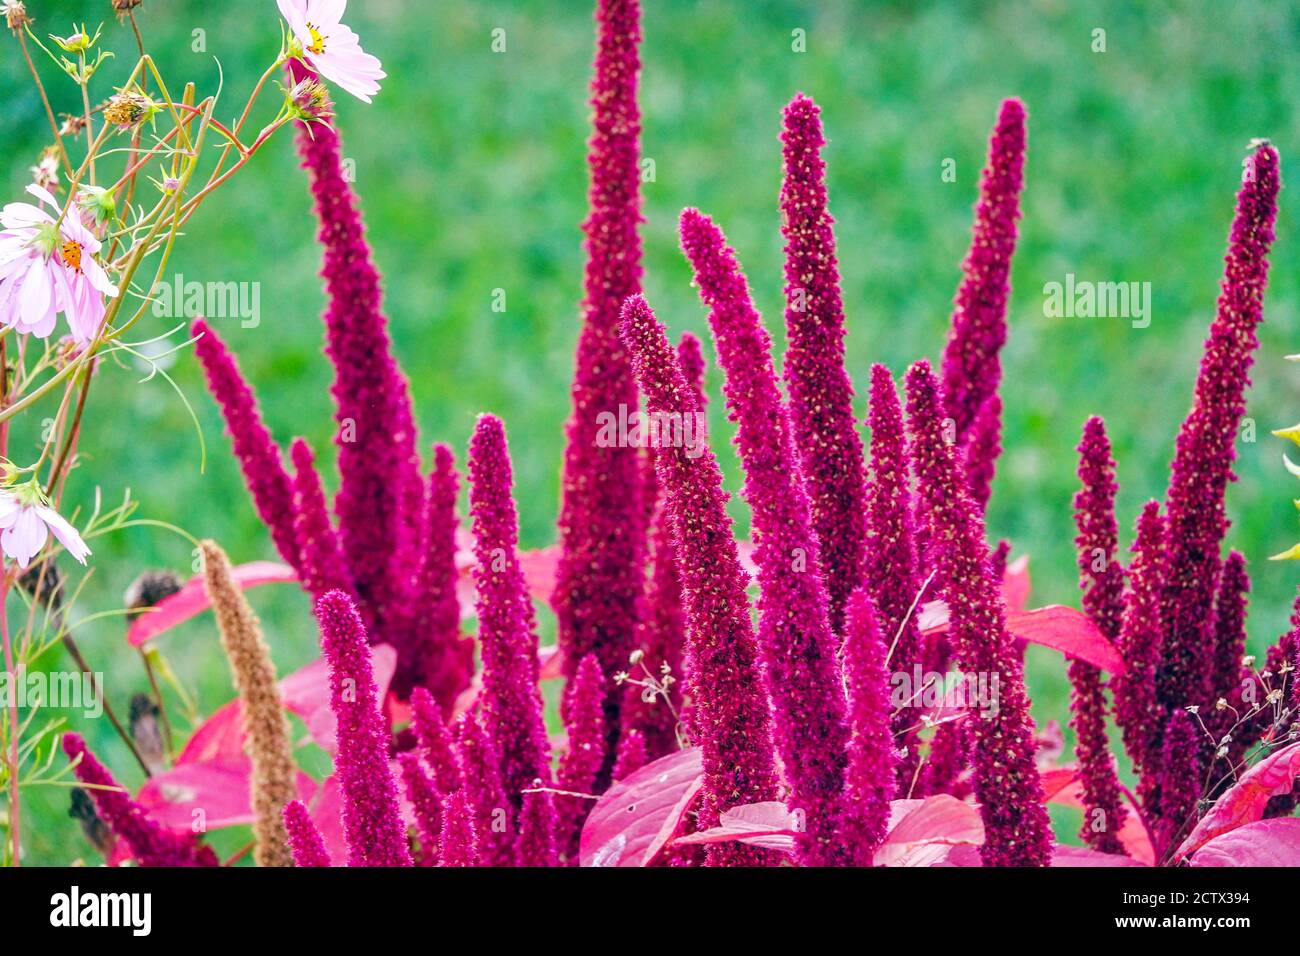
{"points": [[484, 792], [321, 564], [821, 395], [600, 577], [1136, 709], [795, 636], [971, 368], [1102, 580], [372, 820], [447, 657], [584, 718], [537, 830], [435, 739], [149, 843], [890, 572], [304, 839], [427, 804], [730, 718], [380, 485], [259, 458], [1002, 747], [272, 782], [1180, 781], [869, 778], [1229, 638], [632, 755], [661, 632], [1202, 465], [983, 446], [459, 840], [511, 701]]}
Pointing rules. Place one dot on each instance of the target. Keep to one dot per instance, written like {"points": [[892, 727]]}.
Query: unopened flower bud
{"points": [[126, 110]]}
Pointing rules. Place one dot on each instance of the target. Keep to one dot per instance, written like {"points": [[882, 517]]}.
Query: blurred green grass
{"points": [[470, 165]]}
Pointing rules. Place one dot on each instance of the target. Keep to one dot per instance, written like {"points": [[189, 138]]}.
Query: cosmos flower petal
{"points": [[66, 534]]}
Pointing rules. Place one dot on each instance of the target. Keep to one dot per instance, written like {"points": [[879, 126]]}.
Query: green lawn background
{"points": [[470, 165]]}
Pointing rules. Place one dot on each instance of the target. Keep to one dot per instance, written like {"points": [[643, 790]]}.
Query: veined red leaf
{"points": [[1083, 856], [1262, 843], [1245, 802], [218, 789], [192, 599], [918, 829], [636, 817], [1061, 628], [767, 825]]}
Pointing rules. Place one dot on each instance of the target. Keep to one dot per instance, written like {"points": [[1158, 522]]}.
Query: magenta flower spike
{"points": [[1002, 746], [869, 777], [459, 839], [1229, 638], [372, 820], [322, 567], [731, 718], [150, 844], [1102, 580], [971, 367], [447, 658], [584, 719], [511, 700], [821, 395], [661, 634], [983, 446], [891, 561], [1136, 710], [795, 636], [1180, 780], [484, 793], [435, 740], [258, 455], [632, 754], [305, 841], [600, 577], [380, 485], [1202, 465], [537, 830], [947, 761], [426, 802]]}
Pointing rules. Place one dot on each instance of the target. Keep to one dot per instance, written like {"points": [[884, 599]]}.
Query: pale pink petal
{"points": [[25, 537], [65, 532]]}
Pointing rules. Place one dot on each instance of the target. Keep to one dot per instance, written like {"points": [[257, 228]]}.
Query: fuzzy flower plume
{"points": [[425, 802], [662, 630], [600, 577], [1002, 747], [272, 779], [511, 701], [372, 820], [1136, 709], [584, 719], [983, 447], [971, 368], [795, 636], [304, 839], [1102, 581], [1229, 637], [321, 564], [632, 755], [869, 778], [891, 560], [380, 485], [483, 791], [436, 741], [1202, 465], [446, 657], [1180, 781], [149, 843], [258, 455], [821, 395], [459, 839], [730, 720], [537, 831]]}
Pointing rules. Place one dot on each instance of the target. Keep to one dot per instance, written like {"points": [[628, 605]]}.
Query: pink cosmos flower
{"points": [[26, 522], [48, 267], [330, 48]]}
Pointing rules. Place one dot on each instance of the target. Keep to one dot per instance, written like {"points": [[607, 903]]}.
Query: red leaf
{"points": [[637, 816], [1061, 628], [218, 788], [192, 599], [1132, 832], [1245, 802], [1083, 856], [1015, 584], [766, 825], [1262, 843], [920, 831]]}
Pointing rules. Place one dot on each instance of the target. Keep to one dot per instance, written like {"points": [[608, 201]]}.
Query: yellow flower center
{"points": [[72, 253], [317, 41]]}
